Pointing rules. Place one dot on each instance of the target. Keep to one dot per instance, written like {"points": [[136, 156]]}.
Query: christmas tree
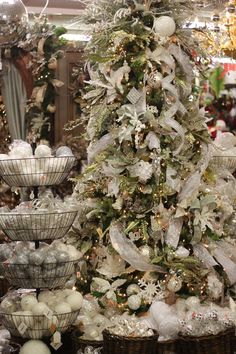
{"points": [[153, 208]]}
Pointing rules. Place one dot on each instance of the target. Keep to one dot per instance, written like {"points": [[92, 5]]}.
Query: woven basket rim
{"points": [[133, 339], [76, 335], [211, 336]]}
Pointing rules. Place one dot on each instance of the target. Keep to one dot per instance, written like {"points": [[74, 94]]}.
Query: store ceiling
{"points": [[67, 12]]}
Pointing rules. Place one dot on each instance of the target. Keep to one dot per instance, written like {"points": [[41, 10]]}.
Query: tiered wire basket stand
{"points": [[37, 227]]}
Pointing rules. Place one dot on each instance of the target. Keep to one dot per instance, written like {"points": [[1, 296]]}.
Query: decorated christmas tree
{"points": [[153, 206]]}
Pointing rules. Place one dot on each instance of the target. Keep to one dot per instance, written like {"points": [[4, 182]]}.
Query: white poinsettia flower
{"points": [[103, 286]]}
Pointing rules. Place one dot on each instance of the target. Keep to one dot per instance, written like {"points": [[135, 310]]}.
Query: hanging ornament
{"points": [[164, 26], [174, 284], [132, 289], [52, 64], [134, 302], [13, 19], [154, 80], [51, 108]]}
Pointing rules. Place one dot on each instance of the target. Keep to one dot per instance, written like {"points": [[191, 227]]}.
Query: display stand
{"points": [[37, 227]]}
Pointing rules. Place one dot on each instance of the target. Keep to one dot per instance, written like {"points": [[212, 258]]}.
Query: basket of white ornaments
{"points": [[49, 266], [45, 218], [224, 152], [26, 316], [21, 168]]}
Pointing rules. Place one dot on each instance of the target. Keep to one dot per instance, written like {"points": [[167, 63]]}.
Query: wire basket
{"points": [[37, 327], [114, 344], [228, 162], [30, 172], [79, 343], [47, 275], [37, 226], [215, 344]]}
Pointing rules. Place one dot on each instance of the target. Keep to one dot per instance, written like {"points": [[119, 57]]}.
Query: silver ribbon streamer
{"points": [[183, 61], [128, 251], [228, 265], [96, 148], [176, 126], [193, 182], [202, 253], [173, 233]]}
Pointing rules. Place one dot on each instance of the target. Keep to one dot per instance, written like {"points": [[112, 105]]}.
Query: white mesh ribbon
{"points": [[95, 148], [172, 123], [203, 254], [193, 182], [228, 265], [173, 233], [183, 61], [128, 251]]}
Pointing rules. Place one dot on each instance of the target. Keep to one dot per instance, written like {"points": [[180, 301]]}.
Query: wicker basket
{"points": [[218, 344], [168, 347], [45, 171], [80, 343], [114, 344], [37, 226]]}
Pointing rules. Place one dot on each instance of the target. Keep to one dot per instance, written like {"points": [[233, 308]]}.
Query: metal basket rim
{"points": [[43, 316], [39, 158], [35, 265], [44, 213]]}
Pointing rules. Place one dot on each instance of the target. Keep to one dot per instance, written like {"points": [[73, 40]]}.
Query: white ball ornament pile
{"points": [[28, 302], [164, 26], [34, 313], [43, 151], [35, 346]]}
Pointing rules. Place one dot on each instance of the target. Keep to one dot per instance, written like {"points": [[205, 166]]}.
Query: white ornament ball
{"points": [[74, 254], [159, 310], [40, 309], [64, 151], [192, 302], [45, 295], [134, 302], [28, 302], [8, 305], [169, 328], [43, 151], [35, 346], [174, 284], [132, 289], [164, 26], [62, 307], [21, 152], [75, 301]]}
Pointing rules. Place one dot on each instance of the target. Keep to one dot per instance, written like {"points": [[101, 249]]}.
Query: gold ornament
{"points": [[51, 108], [52, 64]]}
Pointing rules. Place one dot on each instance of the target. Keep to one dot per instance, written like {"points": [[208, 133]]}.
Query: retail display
{"points": [[32, 264]]}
